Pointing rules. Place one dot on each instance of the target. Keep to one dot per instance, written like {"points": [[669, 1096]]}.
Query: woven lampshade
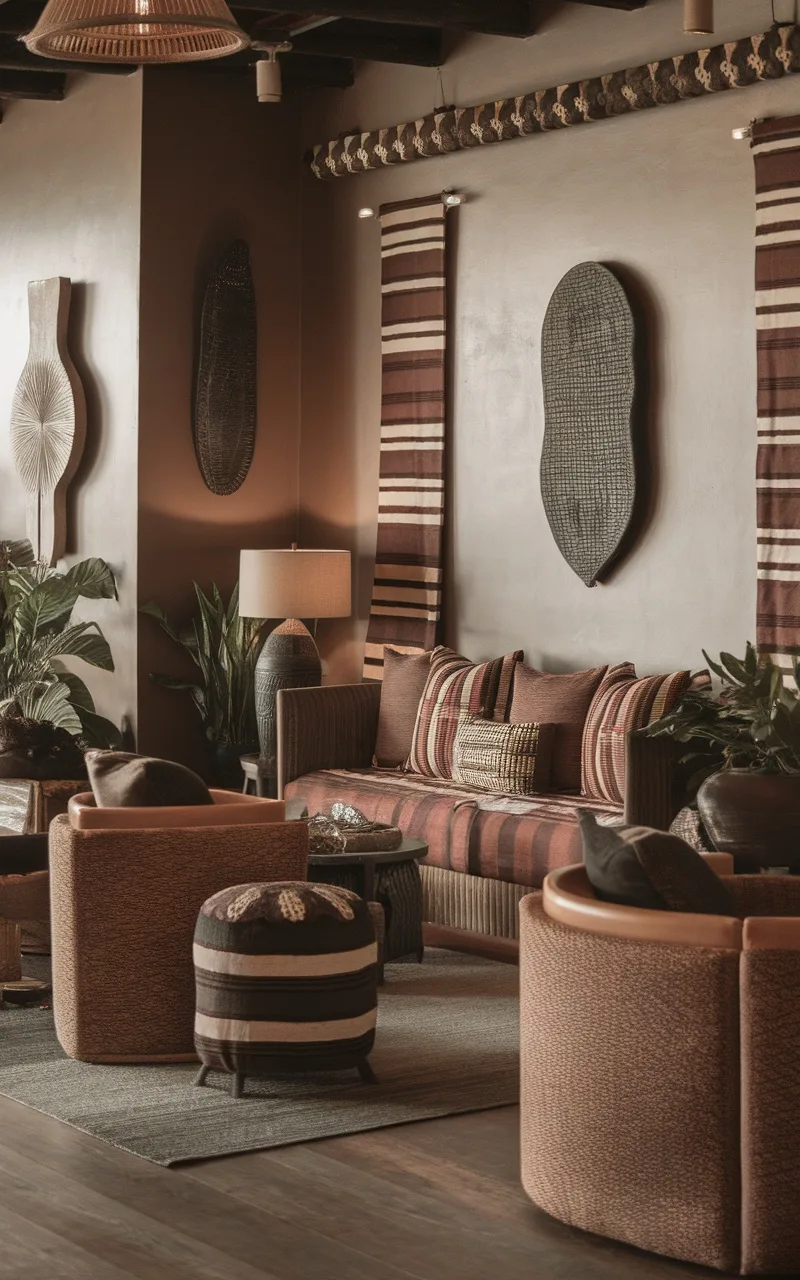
{"points": [[136, 31]]}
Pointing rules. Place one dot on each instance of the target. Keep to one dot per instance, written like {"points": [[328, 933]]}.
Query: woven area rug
{"points": [[447, 1042]]}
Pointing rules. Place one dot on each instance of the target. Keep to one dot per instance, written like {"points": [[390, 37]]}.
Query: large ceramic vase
{"points": [[754, 816]]}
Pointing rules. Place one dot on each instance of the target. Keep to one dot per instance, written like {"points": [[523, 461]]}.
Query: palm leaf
{"points": [[92, 579]]}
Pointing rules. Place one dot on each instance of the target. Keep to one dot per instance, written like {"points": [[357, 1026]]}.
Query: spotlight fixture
{"points": [[366, 212], [698, 17], [741, 133], [452, 199], [268, 70]]}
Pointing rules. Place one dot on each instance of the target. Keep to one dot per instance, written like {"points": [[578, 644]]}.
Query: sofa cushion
{"points": [[404, 678], [510, 758], [621, 704], [456, 686], [120, 780], [563, 700], [640, 867], [507, 838]]}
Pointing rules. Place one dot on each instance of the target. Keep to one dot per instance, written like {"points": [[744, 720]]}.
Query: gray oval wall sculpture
{"points": [[588, 476], [225, 397]]}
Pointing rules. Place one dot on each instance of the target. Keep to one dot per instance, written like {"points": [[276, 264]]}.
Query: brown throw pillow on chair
{"points": [[639, 867], [121, 780], [404, 678]]}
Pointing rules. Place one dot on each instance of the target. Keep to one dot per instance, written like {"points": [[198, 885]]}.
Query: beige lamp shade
{"points": [[295, 583], [136, 31]]}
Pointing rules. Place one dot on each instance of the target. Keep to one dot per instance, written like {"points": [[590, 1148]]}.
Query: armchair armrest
{"points": [[332, 727], [655, 780]]}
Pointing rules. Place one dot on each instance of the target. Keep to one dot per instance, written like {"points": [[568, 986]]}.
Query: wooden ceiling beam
{"points": [[627, 5], [17, 17], [39, 86], [491, 17], [366, 41]]}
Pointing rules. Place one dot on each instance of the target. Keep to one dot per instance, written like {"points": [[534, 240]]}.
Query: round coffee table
{"points": [[390, 877]]}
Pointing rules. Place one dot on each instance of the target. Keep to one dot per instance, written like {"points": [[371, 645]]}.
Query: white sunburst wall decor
{"points": [[48, 418]]}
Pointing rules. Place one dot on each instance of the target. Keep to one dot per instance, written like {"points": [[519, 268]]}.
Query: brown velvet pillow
{"points": [[639, 867], [404, 679], [563, 700], [120, 780]]}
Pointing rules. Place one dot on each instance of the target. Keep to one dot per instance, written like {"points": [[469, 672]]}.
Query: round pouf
{"points": [[287, 980]]}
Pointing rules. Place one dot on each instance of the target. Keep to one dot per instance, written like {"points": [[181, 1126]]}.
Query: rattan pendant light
{"points": [[136, 31]]}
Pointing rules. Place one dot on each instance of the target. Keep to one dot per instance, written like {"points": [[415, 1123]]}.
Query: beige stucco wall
{"points": [[665, 195], [69, 206]]}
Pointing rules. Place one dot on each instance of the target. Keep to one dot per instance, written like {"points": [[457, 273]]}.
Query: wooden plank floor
{"points": [[436, 1200]]}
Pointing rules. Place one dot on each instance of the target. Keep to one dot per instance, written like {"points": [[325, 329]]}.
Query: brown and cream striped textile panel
{"points": [[406, 597], [776, 152]]}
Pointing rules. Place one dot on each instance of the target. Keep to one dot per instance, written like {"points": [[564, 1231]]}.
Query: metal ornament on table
{"points": [[345, 829]]}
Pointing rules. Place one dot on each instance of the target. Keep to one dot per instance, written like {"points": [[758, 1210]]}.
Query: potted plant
{"points": [[751, 805], [36, 633], [224, 648]]}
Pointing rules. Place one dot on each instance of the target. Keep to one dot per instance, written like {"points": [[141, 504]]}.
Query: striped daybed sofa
{"points": [[485, 851]]}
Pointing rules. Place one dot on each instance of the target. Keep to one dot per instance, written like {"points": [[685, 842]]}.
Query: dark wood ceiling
{"points": [[327, 38]]}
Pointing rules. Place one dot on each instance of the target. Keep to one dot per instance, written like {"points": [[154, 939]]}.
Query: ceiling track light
{"points": [[269, 86], [452, 199], [698, 17]]}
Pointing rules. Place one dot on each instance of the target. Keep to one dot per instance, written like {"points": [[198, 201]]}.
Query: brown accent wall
{"points": [[69, 205], [664, 196], [216, 165]]}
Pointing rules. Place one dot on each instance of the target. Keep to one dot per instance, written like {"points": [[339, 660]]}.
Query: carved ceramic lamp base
{"points": [[289, 660]]}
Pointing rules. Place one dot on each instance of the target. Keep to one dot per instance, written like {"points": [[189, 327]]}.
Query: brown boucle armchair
{"points": [[125, 900], [660, 1058]]}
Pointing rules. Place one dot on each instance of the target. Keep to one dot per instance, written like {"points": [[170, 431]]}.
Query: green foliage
{"points": [[224, 647], [37, 632], [754, 720]]}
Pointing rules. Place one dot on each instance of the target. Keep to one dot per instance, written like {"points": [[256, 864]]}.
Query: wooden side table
{"points": [[257, 778]]}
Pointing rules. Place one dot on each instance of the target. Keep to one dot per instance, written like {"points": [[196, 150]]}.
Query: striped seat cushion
{"points": [[456, 687], [622, 704], [513, 838], [286, 978]]}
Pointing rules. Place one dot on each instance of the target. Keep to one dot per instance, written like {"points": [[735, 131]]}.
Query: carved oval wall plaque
{"points": [[48, 419], [588, 476], [225, 399]]}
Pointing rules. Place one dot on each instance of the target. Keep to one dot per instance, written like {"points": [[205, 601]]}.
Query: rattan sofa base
{"points": [[475, 903]]}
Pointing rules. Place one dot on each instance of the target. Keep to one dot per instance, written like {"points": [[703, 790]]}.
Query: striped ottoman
{"points": [[287, 980]]}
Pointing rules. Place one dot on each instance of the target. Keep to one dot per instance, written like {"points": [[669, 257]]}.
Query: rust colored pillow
{"points": [[404, 679], [563, 700], [121, 780]]}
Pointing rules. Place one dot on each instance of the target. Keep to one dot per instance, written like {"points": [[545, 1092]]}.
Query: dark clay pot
{"points": [[754, 816]]}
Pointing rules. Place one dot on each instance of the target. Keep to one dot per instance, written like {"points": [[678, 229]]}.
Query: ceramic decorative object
{"points": [[755, 816], [48, 419], [588, 476], [225, 399]]}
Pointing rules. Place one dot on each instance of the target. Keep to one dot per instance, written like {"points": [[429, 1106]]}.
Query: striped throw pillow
{"points": [[622, 703], [456, 687], [512, 758]]}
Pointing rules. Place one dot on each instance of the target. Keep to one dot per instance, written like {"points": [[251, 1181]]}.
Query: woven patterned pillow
{"points": [[455, 687], [513, 758], [622, 703]]}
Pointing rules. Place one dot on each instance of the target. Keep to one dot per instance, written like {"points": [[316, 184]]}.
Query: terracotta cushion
{"points": [[563, 700], [404, 679], [639, 867], [120, 780]]}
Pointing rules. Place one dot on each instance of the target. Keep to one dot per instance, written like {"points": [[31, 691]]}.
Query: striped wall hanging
{"points": [[733, 65], [776, 154], [406, 596]]}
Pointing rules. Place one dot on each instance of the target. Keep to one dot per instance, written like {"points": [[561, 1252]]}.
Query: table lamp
{"points": [[290, 583]]}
